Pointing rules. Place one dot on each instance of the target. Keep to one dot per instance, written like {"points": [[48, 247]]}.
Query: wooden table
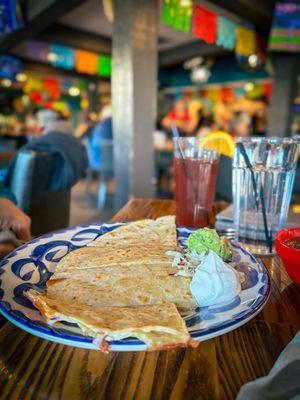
{"points": [[32, 368]]}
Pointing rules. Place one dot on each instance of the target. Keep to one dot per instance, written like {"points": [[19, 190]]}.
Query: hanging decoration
{"points": [[239, 91], [226, 33], [267, 89], [37, 50], [204, 24], [11, 18], [9, 66], [245, 41], [178, 14], [104, 65], [33, 83], [64, 56], [86, 62], [227, 93], [52, 86]]}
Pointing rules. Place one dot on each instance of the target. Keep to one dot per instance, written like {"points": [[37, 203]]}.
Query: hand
{"points": [[11, 217]]}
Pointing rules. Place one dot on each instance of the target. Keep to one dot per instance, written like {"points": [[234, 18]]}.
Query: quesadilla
{"points": [[123, 284], [159, 327]]}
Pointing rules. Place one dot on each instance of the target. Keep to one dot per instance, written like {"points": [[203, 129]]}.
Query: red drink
{"points": [[195, 181]]}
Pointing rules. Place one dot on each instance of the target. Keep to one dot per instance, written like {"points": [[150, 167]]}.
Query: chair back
{"points": [[29, 181]]}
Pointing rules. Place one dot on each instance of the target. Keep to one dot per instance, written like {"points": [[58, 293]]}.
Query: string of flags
{"points": [[69, 58], [186, 16]]}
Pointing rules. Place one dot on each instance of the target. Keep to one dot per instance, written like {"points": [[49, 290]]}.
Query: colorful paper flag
{"points": [[227, 93], [32, 83], [204, 24], [239, 91], [52, 86], [86, 62], [226, 33], [178, 14], [65, 56], [104, 65], [245, 41]]}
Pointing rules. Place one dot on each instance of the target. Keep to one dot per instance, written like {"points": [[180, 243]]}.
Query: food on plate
{"points": [[133, 280], [159, 326], [294, 242], [161, 231], [214, 281], [205, 239], [130, 268]]}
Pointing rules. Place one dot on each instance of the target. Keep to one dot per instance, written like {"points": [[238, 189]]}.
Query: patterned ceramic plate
{"points": [[31, 265]]}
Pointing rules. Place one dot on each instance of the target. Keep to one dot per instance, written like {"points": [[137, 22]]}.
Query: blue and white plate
{"points": [[31, 265]]}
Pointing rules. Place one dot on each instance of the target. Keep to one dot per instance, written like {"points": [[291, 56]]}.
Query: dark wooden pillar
{"points": [[287, 68], [134, 91]]}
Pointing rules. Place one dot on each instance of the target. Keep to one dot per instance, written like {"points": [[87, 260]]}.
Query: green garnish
{"points": [[203, 240]]}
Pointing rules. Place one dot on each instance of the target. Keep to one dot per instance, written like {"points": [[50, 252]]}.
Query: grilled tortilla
{"points": [[159, 326], [126, 273], [161, 231]]}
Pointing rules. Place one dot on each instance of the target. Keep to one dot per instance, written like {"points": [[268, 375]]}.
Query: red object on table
{"points": [[289, 255], [204, 24]]}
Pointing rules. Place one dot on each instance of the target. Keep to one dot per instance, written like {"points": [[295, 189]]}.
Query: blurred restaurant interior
{"points": [[125, 74]]}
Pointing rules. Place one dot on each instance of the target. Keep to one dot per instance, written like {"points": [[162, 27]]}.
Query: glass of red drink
{"points": [[195, 173]]}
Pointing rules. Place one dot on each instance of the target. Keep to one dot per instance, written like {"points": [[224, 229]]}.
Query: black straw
{"points": [[241, 147]]}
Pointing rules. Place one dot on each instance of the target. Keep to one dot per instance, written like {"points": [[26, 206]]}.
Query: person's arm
{"points": [[14, 219], [7, 193]]}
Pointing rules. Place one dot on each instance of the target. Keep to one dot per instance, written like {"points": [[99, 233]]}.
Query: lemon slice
{"points": [[219, 141]]}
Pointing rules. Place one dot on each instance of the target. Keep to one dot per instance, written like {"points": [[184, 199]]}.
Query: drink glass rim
{"points": [[187, 139], [270, 139]]}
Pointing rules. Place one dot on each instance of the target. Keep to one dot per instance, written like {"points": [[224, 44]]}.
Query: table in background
{"points": [[33, 368]]}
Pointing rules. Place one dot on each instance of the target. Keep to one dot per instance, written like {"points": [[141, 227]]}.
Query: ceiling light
{"points": [[200, 74], [74, 91], [20, 77], [253, 60], [249, 86], [52, 57], [6, 82]]}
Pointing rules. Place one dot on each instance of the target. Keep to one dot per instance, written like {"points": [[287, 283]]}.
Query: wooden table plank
{"points": [[33, 368]]}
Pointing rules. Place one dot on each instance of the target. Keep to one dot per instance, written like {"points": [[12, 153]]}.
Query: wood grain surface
{"points": [[33, 368]]}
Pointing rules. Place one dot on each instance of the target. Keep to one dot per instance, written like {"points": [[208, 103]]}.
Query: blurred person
{"points": [[101, 131], [179, 117], [206, 125], [14, 223], [241, 125]]}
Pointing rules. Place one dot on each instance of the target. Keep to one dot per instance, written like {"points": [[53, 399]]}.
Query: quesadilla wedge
{"points": [[151, 232], [159, 327]]}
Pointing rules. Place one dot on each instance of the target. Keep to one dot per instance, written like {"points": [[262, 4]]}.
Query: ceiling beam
{"points": [[39, 16], [181, 53], [63, 34]]}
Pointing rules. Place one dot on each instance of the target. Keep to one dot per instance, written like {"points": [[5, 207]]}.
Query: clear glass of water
{"points": [[273, 162]]}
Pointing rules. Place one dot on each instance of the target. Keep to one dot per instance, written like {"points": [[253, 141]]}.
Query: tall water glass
{"points": [[273, 162], [195, 173]]}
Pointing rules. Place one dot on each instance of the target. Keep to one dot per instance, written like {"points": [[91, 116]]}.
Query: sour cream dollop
{"points": [[214, 281]]}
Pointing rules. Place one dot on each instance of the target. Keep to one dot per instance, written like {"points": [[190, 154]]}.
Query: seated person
{"points": [[14, 223]]}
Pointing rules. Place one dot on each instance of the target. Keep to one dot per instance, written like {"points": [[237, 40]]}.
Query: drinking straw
{"points": [[241, 147]]}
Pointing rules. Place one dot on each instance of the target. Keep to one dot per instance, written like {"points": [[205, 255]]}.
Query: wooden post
{"points": [[287, 67], [134, 92]]}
